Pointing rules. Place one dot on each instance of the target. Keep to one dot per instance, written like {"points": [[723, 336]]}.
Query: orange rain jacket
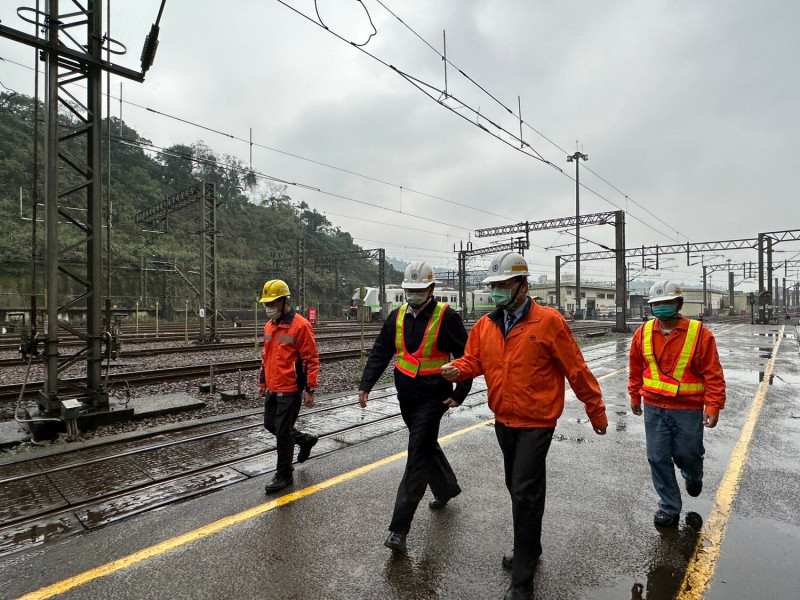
{"points": [[289, 359], [525, 371], [704, 365]]}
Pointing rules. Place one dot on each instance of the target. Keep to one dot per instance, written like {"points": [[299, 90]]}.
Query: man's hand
{"points": [[600, 430], [450, 403], [262, 391], [362, 398], [308, 399], [709, 420], [636, 409], [450, 373]]}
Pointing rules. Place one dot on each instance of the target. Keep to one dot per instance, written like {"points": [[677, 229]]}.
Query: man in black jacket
{"points": [[422, 334]]}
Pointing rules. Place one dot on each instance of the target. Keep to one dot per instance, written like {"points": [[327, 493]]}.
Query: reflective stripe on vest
{"points": [[427, 360], [285, 339], [682, 380]]}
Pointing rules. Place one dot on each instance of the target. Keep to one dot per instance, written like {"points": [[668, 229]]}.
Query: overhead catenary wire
{"points": [[528, 125], [417, 83], [246, 171], [299, 157], [421, 85], [344, 197]]}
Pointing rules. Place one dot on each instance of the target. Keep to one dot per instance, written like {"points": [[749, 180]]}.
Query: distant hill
{"points": [[398, 264], [259, 225]]}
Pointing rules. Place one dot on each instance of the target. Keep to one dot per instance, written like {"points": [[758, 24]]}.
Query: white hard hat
{"points": [[418, 276], [505, 266], [664, 290]]}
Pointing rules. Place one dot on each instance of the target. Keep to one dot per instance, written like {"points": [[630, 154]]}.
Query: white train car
{"points": [[479, 302], [395, 296]]}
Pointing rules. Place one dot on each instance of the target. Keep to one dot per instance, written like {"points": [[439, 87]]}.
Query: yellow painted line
{"points": [[703, 561], [217, 526], [65, 585]]}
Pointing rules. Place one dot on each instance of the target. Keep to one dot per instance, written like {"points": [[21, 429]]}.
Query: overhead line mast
{"points": [[72, 52]]}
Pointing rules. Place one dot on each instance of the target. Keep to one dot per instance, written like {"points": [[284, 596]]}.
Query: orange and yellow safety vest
{"points": [[427, 359], [682, 381]]}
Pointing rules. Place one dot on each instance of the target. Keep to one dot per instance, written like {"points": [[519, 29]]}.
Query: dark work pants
{"points": [[426, 464], [280, 415], [524, 456]]}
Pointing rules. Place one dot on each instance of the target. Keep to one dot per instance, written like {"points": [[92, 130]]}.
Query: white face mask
{"points": [[271, 311], [416, 299]]}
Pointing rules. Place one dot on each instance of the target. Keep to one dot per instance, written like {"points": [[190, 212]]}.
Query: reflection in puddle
{"points": [[672, 552]]}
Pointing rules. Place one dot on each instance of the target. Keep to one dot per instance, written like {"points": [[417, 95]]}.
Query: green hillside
{"points": [[258, 229]]}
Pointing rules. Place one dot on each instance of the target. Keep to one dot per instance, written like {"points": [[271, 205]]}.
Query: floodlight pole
{"points": [[577, 157]]}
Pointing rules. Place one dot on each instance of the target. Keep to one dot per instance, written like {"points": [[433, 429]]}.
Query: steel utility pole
{"points": [[577, 157], [72, 53]]}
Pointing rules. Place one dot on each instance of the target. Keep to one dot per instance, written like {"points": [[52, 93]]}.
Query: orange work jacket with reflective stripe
{"points": [[427, 359], [701, 384], [525, 370], [289, 359]]}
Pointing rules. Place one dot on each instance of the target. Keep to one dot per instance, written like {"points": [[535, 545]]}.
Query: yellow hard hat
{"points": [[274, 289]]}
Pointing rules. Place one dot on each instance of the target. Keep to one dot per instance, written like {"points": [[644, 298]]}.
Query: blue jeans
{"points": [[674, 438]]}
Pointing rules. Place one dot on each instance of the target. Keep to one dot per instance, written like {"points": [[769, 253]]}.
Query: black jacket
{"points": [[452, 339]]}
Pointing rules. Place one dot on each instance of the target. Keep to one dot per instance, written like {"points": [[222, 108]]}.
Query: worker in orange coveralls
{"points": [[289, 368]]}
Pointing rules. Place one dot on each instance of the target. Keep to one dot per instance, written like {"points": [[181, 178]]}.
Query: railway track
{"points": [[12, 344], [241, 437], [158, 469], [221, 347], [10, 392]]}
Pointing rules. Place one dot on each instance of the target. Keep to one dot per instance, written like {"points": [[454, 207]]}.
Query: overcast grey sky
{"points": [[689, 110]]}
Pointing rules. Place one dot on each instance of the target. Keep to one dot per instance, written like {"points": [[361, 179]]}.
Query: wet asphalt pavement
{"points": [[598, 537]]}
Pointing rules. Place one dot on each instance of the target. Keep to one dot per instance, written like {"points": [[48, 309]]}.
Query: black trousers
{"points": [[280, 415], [426, 464], [524, 456]]}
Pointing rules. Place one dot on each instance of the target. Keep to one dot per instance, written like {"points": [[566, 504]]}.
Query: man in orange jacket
{"points": [[674, 366], [525, 351], [289, 368]]}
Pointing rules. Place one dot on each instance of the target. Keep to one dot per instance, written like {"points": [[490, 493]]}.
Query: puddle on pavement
{"points": [[669, 554]]}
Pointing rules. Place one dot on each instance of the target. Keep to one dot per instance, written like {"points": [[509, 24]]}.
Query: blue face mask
{"points": [[665, 311], [501, 297]]}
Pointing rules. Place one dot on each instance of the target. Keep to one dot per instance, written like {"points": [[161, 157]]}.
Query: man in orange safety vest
{"points": [[675, 368], [422, 334]]}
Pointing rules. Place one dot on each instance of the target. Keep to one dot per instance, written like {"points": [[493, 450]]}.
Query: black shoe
{"points": [[396, 541], [305, 448], [278, 483], [438, 503], [518, 592], [693, 488], [663, 519]]}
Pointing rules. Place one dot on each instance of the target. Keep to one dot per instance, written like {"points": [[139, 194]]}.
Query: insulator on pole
{"points": [[149, 49]]}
